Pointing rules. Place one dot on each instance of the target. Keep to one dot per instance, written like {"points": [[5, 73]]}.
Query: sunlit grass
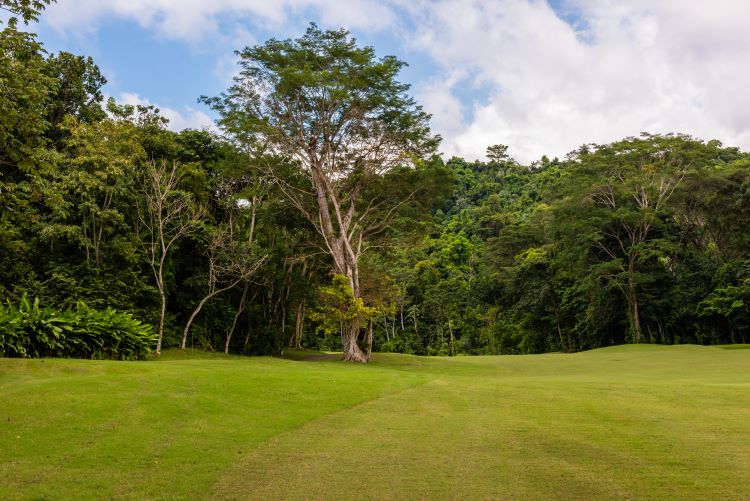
{"points": [[624, 422]]}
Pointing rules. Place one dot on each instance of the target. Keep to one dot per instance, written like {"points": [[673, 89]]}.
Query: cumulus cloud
{"points": [[447, 110], [620, 68], [186, 118], [592, 70]]}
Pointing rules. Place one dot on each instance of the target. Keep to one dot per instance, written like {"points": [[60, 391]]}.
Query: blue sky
{"points": [[542, 77], [174, 72]]}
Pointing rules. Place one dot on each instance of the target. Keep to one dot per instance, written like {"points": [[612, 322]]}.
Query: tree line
{"points": [[322, 217]]}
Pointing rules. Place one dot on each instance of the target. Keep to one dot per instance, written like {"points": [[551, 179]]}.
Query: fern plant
{"points": [[29, 330]]}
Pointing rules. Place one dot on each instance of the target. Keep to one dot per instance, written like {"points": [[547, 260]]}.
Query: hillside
{"points": [[624, 422]]}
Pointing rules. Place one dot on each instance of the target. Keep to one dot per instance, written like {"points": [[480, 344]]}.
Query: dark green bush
{"points": [[28, 330]]}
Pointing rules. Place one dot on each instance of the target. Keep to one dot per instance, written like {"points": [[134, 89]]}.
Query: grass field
{"points": [[636, 422]]}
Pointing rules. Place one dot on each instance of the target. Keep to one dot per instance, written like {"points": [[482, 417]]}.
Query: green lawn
{"points": [[636, 422]]}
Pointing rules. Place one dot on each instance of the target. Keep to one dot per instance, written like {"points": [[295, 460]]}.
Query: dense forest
{"points": [[321, 216]]}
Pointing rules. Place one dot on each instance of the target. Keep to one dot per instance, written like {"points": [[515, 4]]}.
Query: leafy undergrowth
{"points": [[30, 330], [622, 422]]}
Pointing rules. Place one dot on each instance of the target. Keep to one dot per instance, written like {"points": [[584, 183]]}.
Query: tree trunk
{"points": [[662, 337], [212, 293], [631, 294], [159, 275], [190, 320], [162, 314], [402, 317], [635, 318], [240, 310], [298, 325], [369, 341], [650, 333], [349, 337], [247, 339], [559, 334], [450, 330]]}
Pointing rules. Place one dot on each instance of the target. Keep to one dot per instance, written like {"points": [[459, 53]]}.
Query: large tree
{"points": [[619, 205], [341, 119]]}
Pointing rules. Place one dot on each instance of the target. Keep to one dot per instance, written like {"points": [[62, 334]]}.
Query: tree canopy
{"points": [[322, 217]]}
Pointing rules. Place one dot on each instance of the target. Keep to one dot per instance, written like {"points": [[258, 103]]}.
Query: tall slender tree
{"points": [[167, 214], [341, 119]]}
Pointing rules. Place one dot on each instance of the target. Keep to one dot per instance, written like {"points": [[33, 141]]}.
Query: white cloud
{"points": [[447, 110], [621, 68], [187, 118], [638, 66], [194, 20]]}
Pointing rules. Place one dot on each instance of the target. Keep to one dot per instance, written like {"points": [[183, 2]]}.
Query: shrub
{"points": [[28, 330]]}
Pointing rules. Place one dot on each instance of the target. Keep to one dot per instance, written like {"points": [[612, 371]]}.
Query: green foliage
{"points": [[641, 240], [554, 256], [342, 96], [28, 10], [338, 306], [77, 91], [29, 330], [23, 101]]}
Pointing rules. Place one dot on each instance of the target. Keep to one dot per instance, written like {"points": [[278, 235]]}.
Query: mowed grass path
{"points": [[637, 422]]}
